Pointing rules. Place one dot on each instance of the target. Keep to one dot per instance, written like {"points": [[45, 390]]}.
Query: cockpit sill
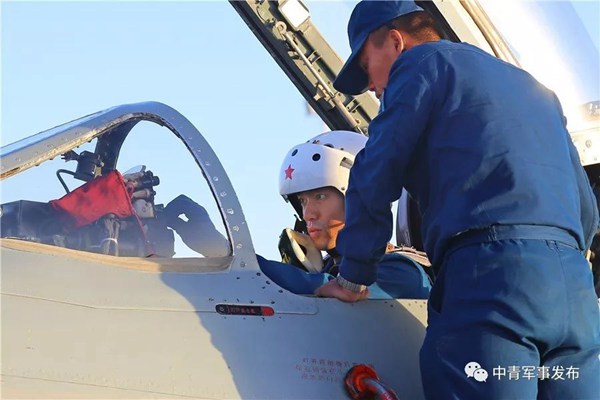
{"points": [[188, 265]]}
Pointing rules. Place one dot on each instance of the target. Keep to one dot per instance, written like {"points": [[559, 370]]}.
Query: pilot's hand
{"points": [[198, 232], [333, 289]]}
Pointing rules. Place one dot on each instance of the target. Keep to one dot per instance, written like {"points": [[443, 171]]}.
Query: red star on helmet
{"points": [[288, 172]]}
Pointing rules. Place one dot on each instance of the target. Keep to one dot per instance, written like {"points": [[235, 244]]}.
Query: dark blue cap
{"points": [[368, 15]]}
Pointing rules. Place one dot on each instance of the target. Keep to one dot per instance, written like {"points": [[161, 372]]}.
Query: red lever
{"points": [[362, 382]]}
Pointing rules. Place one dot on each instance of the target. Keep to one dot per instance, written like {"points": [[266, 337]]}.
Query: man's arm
{"points": [[378, 174], [198, 232], [291, 277]]}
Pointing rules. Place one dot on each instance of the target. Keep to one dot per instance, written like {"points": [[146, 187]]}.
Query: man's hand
{"points": [[333, 289], [198, 232]]}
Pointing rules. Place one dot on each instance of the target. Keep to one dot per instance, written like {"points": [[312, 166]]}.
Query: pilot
{"points": [[93, 210], [314, 178]]}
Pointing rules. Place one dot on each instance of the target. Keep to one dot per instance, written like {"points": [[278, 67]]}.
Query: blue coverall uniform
{"points": [[507, 211], [397, 277]]}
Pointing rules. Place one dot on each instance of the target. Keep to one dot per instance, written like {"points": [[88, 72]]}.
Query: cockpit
{"points": [[100, 203]]}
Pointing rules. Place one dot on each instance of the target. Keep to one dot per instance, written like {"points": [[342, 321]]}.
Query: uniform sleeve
{"points": [[291, 277], [401, 278], [588, 203], [587, 200], [378, 174]]}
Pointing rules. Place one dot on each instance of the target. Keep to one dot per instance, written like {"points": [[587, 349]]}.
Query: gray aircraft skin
{"points": [[81, 322]]}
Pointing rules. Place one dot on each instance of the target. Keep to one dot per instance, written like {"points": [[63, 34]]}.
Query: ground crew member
{"points": [[508, 212]]}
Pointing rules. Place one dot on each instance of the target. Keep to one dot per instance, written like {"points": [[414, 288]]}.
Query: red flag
{"points": [[105, 194]]}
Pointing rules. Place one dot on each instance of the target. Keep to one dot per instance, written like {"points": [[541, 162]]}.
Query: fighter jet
{"points": [[100, 299]]}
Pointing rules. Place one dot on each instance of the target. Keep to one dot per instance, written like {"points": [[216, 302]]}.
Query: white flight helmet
{"points": [[324, 160]]}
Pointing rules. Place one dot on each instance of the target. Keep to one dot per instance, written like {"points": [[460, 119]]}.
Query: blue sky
{"points": [[61, 61]]}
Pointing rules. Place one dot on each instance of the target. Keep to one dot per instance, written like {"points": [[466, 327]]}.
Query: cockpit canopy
{"points": [[116, 191]]}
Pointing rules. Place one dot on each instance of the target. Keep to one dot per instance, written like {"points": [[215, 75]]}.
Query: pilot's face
{"points": [[376, 59], [323, 211]]}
